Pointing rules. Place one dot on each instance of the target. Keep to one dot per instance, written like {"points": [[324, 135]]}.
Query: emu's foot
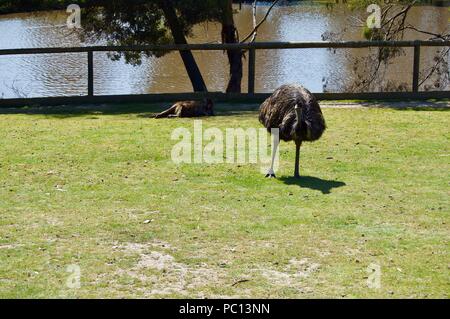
{"points": [[270, 174]]}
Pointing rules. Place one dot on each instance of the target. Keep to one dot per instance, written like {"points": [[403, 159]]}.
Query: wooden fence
{"points": [[251, 96]]}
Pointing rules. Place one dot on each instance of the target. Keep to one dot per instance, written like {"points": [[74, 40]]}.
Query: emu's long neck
{"points": [[298, 112]]}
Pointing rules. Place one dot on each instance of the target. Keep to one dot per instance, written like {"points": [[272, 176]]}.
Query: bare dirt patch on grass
{"points": [[292, 274], [163, 275]]}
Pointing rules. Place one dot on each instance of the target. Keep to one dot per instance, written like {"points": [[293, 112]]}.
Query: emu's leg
{"points": [[297, 159], [271, 173]]}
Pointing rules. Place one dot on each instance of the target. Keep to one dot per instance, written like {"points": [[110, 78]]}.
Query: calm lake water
{"points": [[66, 74]]}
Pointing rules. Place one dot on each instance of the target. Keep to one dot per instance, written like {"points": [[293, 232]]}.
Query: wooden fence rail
{"points": [[251, 48]]}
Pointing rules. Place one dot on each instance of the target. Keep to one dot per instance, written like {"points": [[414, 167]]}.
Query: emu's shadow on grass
{"points": [[315, 183]]}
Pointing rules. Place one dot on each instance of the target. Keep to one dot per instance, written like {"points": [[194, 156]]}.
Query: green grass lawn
{"points": [[99, 191]]}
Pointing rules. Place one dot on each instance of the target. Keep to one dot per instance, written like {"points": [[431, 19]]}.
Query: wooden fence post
{"points": [[251, 70], [90, 73], [416, 68]]}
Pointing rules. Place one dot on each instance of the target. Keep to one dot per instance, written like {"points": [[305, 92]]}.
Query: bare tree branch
{"points": [[435, 35], [255, 29], [433, 69], [255, 33]]}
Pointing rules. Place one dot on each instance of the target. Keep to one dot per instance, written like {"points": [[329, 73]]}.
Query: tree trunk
{"points": [[190, 64], [230, 35]]}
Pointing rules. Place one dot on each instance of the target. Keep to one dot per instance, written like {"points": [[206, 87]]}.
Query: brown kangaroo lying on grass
{"points": [[189, 109]]}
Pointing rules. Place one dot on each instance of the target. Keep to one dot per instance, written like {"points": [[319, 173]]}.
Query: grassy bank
{"points": [[100, 192]]}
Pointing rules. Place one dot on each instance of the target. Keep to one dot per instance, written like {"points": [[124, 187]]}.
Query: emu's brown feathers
{"points": [[278, 111]]}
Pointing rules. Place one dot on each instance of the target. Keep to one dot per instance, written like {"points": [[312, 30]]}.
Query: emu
{"points": [[297, 114]]}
